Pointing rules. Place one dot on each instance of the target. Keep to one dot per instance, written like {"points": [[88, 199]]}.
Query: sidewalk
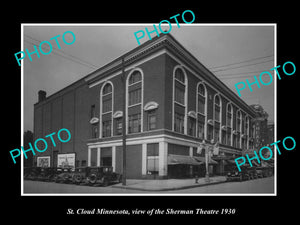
{"points": [[168, 184]]}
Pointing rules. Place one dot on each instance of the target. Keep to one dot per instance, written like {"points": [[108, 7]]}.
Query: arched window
{"points": [[238, 121], [217, 108], [180, 86], [106, 109], [229, 124], [180, 100], [229, 116], [201, 110], [238, 128], [107, 89], [217, 117], [134, 90], [179, 75], [135, 77]]}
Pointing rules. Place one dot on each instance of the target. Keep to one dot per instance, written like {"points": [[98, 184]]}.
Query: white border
{"points": [[151, 194]]}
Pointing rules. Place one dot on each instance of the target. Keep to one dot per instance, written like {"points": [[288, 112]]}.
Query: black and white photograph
{"points": [[177, 94], [150, 112]]}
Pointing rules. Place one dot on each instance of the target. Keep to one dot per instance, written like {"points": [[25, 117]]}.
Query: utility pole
{"points": [[123, 78]]}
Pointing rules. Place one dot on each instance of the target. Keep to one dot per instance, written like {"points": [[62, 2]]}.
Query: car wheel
{"points": [[77, 178], [92, 179]]}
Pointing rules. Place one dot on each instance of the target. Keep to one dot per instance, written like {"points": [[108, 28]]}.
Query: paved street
{"points": [[264, 185]]}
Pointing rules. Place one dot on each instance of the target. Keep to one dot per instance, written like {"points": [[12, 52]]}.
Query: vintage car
{"points": [[262, 171], [27, 171], [103, 176], [33, 173], [252, 172], [79, 175], [46, 174], [63, 175], [235, 174]]}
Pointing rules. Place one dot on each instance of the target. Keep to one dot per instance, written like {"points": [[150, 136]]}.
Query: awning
{"points": [[182, 159], [202, 159]]}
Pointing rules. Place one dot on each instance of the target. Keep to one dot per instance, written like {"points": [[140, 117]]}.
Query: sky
{"points": [[232, 52]]}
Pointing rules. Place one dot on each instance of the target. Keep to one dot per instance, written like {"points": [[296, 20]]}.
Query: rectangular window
{"points": [[179, 95], [223, 137], [134, 97], [229, 119], [179, 123], [106, 107], [200, 130], [228, 137], [152, 158], [94, 131], [106, 128], [216, 134], [134, 123], [192, 127], [209, 132], [217, 113], [238, 125], [119, 126], [243, 126], [151, 121], [238, 145]]}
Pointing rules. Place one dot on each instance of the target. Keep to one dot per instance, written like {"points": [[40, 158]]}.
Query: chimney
{"points": [[42, 95]]}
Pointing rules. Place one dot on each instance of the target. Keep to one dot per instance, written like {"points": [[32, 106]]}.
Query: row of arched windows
{"points": [[111, 123], [202, 127], [194, 124]]}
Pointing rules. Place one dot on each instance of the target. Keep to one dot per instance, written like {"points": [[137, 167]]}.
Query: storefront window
{"points": [[152, 159]]}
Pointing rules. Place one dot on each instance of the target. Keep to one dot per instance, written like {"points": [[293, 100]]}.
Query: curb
{"points": [[169, 189]]}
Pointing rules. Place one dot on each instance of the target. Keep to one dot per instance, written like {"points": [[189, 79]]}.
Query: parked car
{"points": [[103, 175], [63, 175], [262, 171], [80, 174], [45, 174], [235, 174], [27, 171], [252, 172], [33, 173]]}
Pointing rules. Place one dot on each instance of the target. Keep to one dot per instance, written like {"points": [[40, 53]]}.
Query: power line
{"points": [[75, 57], [64, 54], [65, 57], [249, 60], [243, 66], [240, 73]]}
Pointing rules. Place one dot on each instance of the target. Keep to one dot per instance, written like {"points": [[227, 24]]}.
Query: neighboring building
{"points": [[172, 103], [261, 126], [270, 128]]}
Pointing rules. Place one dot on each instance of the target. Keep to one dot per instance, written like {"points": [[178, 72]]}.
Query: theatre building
{"points": [[173, 103]]}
